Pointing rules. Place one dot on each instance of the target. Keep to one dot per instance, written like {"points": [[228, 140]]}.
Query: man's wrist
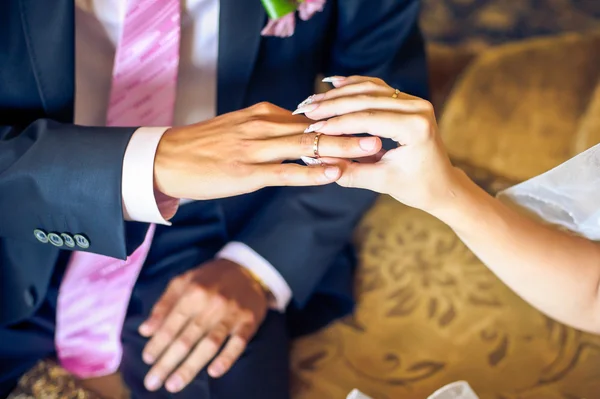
{"points": [[260, 284], [244, 256], [161, 166]]}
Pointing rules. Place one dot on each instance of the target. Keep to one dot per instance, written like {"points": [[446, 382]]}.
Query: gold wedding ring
{"points": [[316, 146], [395, 95]]}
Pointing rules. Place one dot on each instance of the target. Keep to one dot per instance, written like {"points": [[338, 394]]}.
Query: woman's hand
{"points": [[418, 172]]}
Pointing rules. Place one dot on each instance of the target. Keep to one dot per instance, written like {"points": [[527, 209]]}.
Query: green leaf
{"points": [[279, 8]]}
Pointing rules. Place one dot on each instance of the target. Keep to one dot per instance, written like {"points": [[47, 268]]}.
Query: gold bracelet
{"points": [[261, 284]]}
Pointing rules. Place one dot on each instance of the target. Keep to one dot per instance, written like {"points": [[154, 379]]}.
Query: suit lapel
{"points": [[240, 23], [49, 31]]}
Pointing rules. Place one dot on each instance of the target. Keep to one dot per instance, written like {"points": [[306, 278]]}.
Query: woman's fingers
{"points": [[357, 85], [343, 162], [341, 81], [370, 176], [366, 176], [366, 87], [363, 102], [400, 127], [373, 158]]}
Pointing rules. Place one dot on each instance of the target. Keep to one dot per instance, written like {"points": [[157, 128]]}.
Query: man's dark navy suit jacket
{"points": [[59, 177]]}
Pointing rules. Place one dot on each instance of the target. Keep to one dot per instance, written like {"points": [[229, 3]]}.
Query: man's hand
{"points": [[242, 151], [198, 312]]}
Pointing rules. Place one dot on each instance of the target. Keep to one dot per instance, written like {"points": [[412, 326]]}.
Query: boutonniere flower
{"points": [[282, 15]]}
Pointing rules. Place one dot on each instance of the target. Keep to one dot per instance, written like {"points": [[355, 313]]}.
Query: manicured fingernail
{"points": [[333, 79], [216, 370], [311, 161], [147, 358], [315, 127], [367, 143], [152, 382], [306, 109], [332, 172], [174, 384], [311, 99]]}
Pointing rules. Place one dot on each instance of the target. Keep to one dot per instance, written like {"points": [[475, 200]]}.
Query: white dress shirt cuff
{"points": [[141, 202], [246, 257]]}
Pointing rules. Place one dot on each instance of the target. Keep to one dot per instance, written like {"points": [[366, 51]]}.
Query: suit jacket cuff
{"points": [[246, 257], [141, 201]]}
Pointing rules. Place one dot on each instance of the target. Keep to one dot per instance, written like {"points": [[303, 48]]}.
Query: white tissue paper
{"points": [[567, 196], [356, 394], [456, 390]]}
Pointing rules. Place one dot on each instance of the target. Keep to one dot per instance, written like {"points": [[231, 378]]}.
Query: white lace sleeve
{"points": [[568, 195]]}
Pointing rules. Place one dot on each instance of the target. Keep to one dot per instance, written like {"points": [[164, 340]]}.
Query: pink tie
{"points": [[96, 289]]}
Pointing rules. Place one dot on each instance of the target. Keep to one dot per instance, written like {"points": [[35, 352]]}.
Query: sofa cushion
{"points": [[518, 107], [429, 313]]}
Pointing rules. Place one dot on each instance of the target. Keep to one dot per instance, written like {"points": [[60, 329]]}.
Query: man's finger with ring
{"points": [[346, 146], [311, 145]]}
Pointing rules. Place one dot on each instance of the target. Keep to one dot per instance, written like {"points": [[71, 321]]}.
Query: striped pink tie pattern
{"points": [[96, 289]]}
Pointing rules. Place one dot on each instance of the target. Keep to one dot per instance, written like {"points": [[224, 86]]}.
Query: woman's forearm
{"points": [[556, 272]]}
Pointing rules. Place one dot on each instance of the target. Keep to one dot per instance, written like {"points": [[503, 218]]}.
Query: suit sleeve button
{"points": [[55, 240], [40, 235], [69, 241], [81, 241]]}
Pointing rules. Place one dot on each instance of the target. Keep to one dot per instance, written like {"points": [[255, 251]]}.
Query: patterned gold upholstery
{"points": [[429, 313]]}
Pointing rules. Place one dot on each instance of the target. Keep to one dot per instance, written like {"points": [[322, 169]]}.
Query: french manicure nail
{"points": [[174, 384], [367, 143], [308, 100], [311, 161], [315, 127], [306, 109], [152, 382], [332, 79], [332, 172], [312, 99]]}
